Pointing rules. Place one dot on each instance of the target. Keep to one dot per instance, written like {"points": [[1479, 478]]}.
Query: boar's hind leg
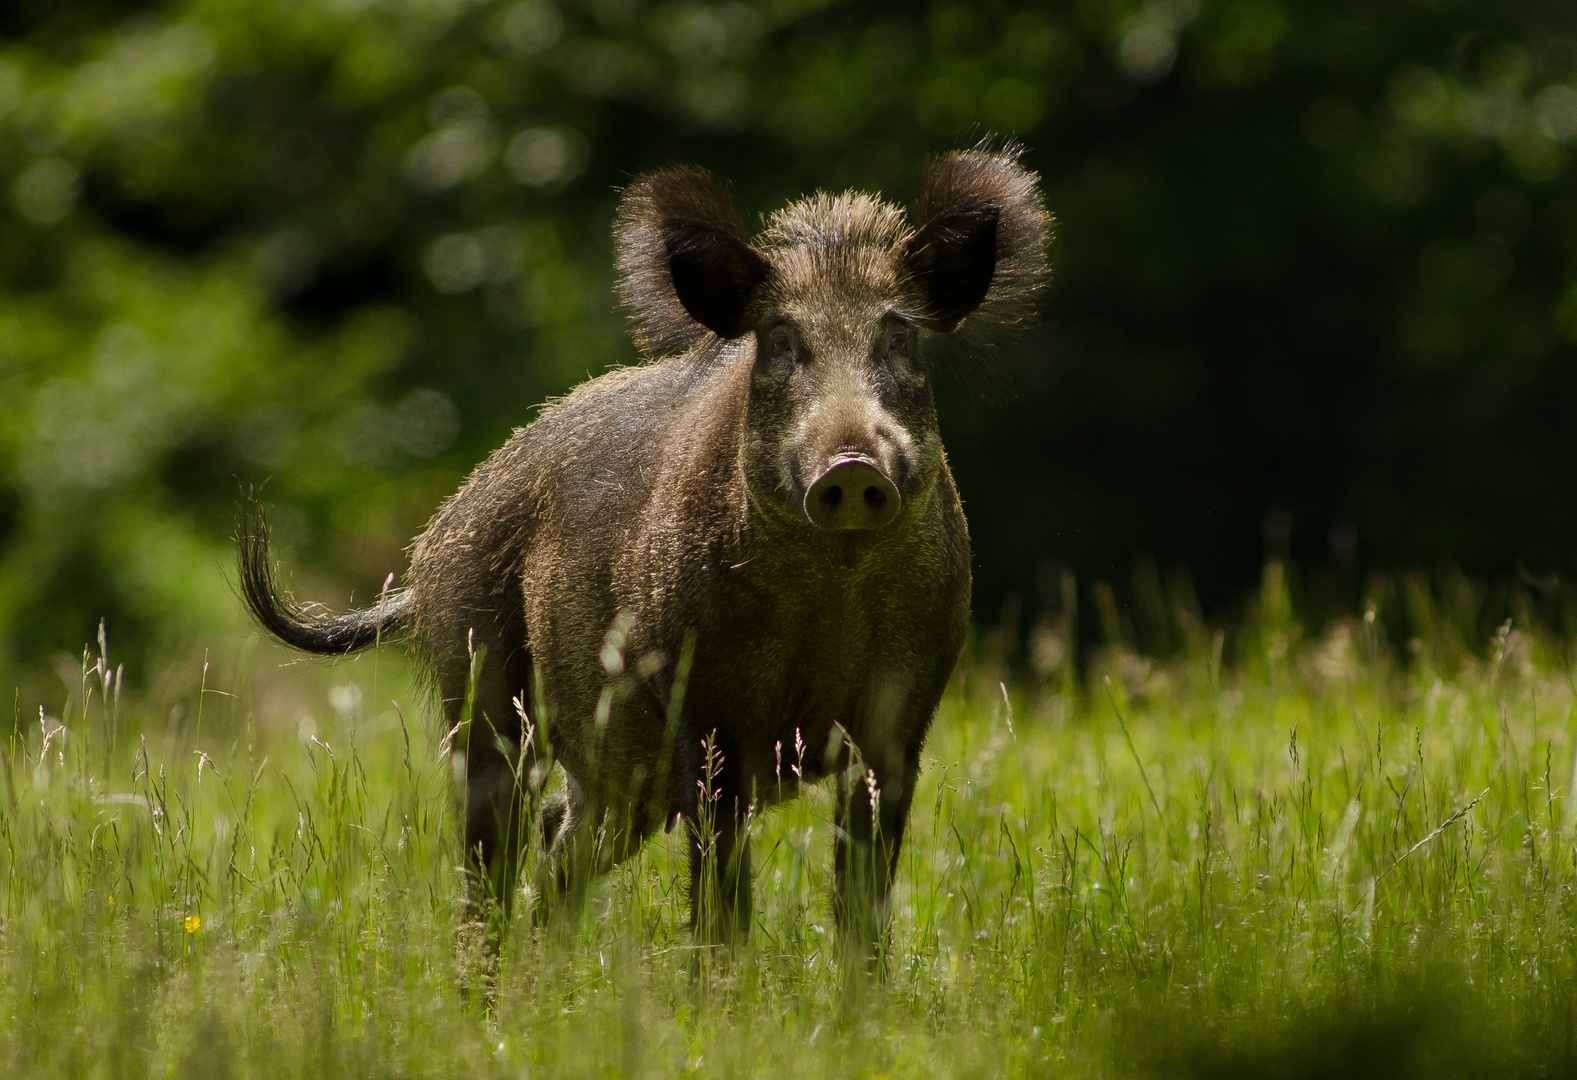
{"points": [[865, 854], [499, 762]]}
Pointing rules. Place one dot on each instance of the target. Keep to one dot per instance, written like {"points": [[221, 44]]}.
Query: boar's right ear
{"points": [[981, 246], [683, 262]]}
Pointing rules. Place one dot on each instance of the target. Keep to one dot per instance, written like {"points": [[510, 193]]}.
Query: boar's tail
{"points": [[305, 626]]}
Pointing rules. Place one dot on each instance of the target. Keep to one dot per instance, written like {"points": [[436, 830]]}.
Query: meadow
{"points": [[1272, 852]]}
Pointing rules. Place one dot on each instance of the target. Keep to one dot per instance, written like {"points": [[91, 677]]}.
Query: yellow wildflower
{"points": [[192, 923]]}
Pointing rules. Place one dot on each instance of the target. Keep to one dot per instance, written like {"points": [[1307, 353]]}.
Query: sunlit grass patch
{"points": [[1307, 860]]}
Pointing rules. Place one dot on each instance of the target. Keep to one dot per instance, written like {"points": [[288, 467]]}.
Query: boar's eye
{"points": [[780, 342], [900, 342]]}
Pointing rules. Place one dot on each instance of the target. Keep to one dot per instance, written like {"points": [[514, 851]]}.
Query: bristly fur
{"points": [[650, 210], [847, 249], [985, 179], [851, 220]]}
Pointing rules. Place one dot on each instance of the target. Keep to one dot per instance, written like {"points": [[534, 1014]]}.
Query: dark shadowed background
{"points": [[1314, 288]]}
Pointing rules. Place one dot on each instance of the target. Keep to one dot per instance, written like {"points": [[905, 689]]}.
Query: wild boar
{"points": [[698, 582]]}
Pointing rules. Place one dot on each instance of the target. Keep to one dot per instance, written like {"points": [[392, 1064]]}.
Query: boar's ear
{"points": [[981, 247], [684, 264]]}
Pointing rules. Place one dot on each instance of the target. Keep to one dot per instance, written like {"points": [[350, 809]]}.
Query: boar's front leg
{"points": [[872, 813], [720, 900], [582, 838], [717, 820]]}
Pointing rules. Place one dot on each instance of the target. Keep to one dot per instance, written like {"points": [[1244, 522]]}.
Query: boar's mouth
{"points": [[853, 494]]}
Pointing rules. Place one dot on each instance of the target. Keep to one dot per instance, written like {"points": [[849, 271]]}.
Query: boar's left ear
{"points": [[684, 264], [981, 245]]}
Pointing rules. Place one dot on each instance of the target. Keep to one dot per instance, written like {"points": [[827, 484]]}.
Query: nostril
{"points": [[853, 494]]}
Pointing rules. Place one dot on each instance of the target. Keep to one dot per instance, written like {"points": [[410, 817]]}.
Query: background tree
{"points": [[1312, 256]]}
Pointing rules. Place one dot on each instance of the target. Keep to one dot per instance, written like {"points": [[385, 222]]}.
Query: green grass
{"points": [[1308, 861]]}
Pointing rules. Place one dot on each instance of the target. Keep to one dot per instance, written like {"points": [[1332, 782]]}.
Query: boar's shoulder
{"points": [[586, 464]]}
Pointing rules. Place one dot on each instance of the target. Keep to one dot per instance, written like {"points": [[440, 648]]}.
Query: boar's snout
{"points": [[852, 494]]}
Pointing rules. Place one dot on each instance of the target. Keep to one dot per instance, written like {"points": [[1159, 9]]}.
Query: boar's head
{"points": [[834, 295]]}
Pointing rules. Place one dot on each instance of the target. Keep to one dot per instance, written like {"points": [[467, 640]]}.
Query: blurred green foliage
{"points": [[1313, 255]]}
